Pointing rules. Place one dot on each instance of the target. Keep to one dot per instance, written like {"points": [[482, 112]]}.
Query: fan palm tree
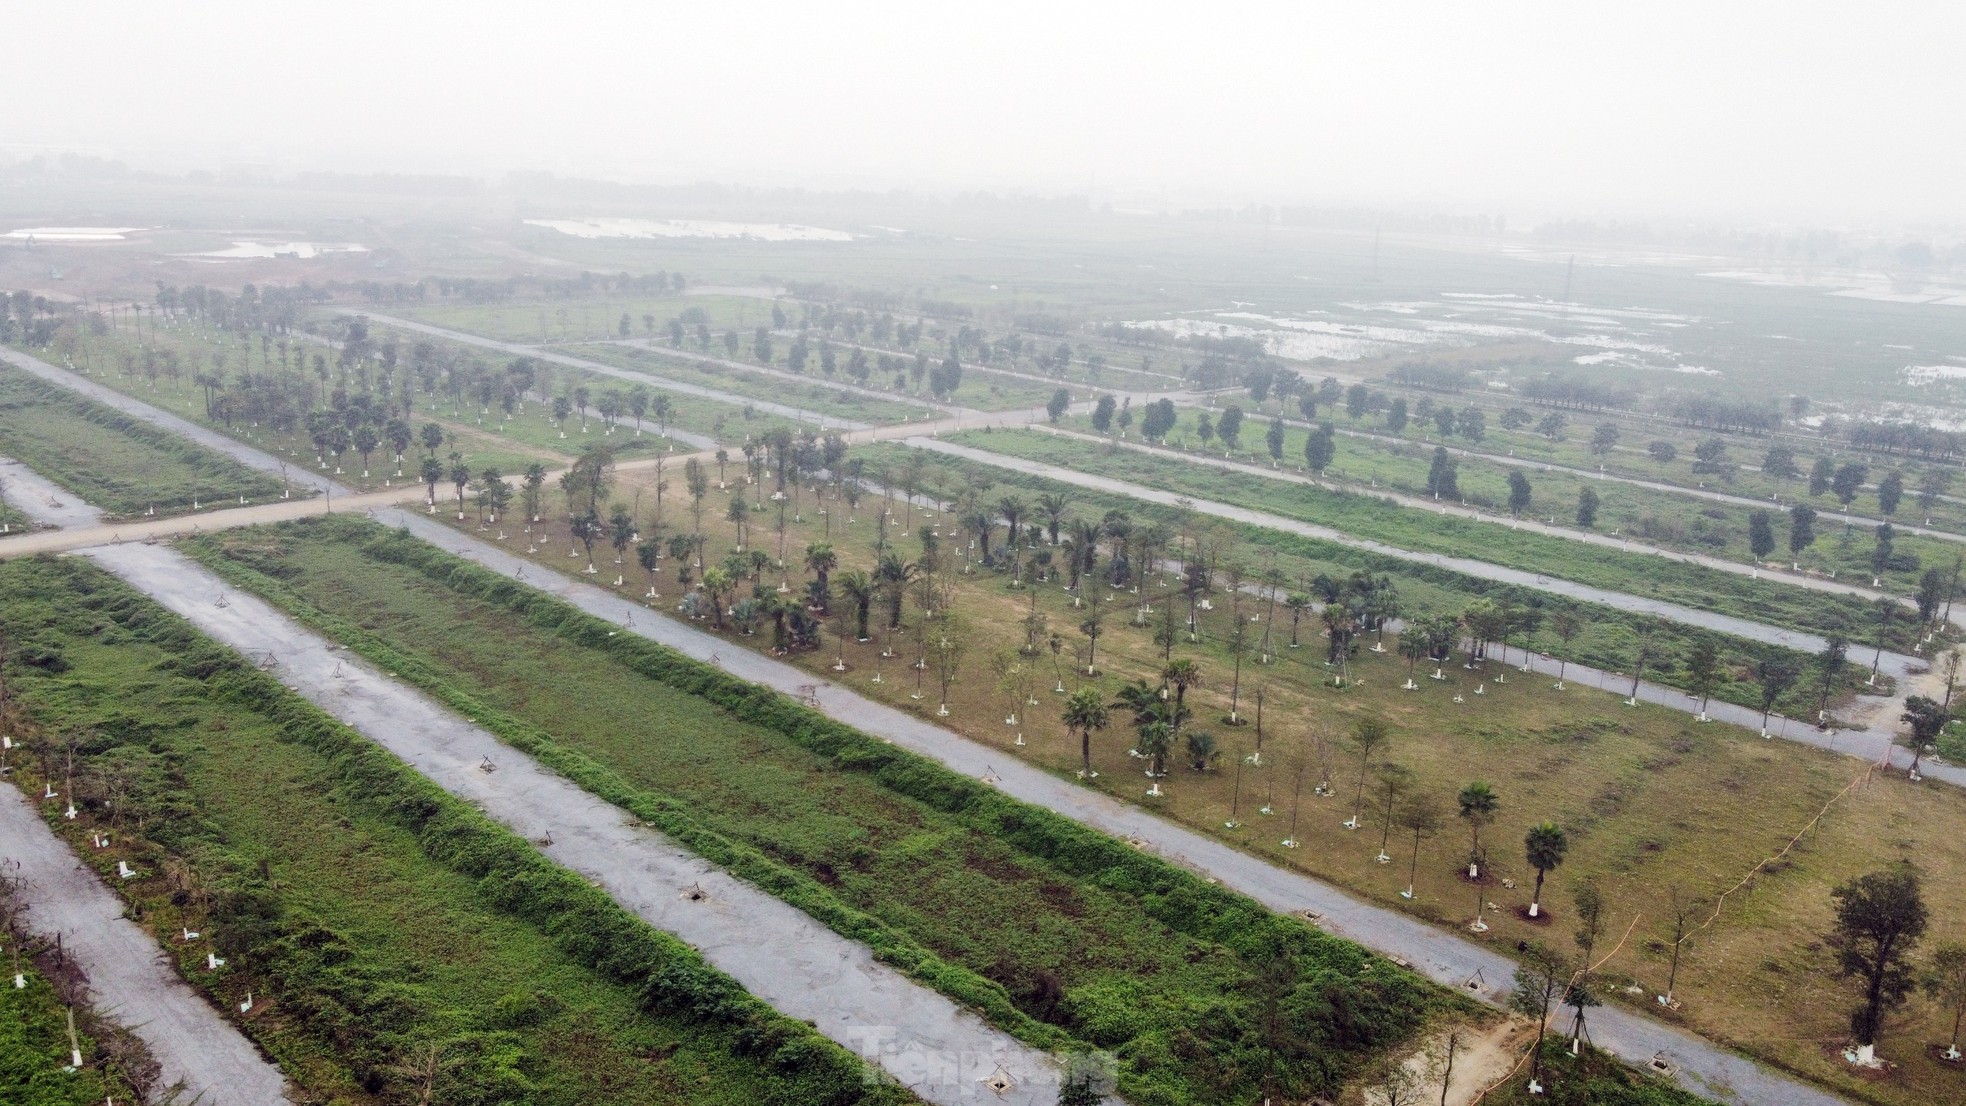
{"points": [[1082, 550], [1478, 804], [1181, 675], [1142, 700], [717, 582], [1084, 714], [1543, 847], [1156, 741], [1339, 625], [1413, 645]]}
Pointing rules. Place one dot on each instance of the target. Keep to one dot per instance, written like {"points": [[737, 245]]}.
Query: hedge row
{"points": [[669, 977], [1366, 1014]]}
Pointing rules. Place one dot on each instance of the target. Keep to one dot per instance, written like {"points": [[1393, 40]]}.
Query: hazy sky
{"points": [[1766, 110]]}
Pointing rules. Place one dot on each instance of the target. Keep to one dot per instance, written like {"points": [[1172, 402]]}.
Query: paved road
{"points": [[1896, 664], [779, 953], [1710, 494], [1874, 742], [517, 349], [212, 439], [41, 499], [1584, 537], [1439, 955], [130, 981], [786, 375]]}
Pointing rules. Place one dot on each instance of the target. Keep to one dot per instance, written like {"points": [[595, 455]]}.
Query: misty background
{"points": [[1758, 112]]}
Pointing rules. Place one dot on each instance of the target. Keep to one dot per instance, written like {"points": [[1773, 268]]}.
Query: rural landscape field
{"points": [[856, 616]]}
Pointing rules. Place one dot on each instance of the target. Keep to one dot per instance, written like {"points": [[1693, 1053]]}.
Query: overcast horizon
{"points": [[1761, 113]]}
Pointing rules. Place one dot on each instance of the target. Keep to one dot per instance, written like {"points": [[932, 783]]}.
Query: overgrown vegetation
{"points": [[1054, 931], [34, 1050], [1609, 639], [1365, 516], [396, 941], [118, 463]]}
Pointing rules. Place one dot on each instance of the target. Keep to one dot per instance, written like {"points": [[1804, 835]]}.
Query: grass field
{"points": [[727, 422], [1652, 801], [34, 1048], [1364, 516], [595, 323], [588, 319], [120, 464], [373, 917], [816, 397], [1648, 515], [1631, 457], [1055, 933], [1609, 639], [181, 396]]}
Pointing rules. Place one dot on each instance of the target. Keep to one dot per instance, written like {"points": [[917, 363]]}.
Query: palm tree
{"points": [[1012, 510], [860, 590], [1142, 700], [738, 513], [1543, 847], [1082, 548], [980, 523], [1478, 803], [820, 561], [1156, 741], [1053, 505], [1297, 603], [1181, 675], [1413, 645], [1085, 713], [717, 582], [894, 575], [1339, 626]]}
